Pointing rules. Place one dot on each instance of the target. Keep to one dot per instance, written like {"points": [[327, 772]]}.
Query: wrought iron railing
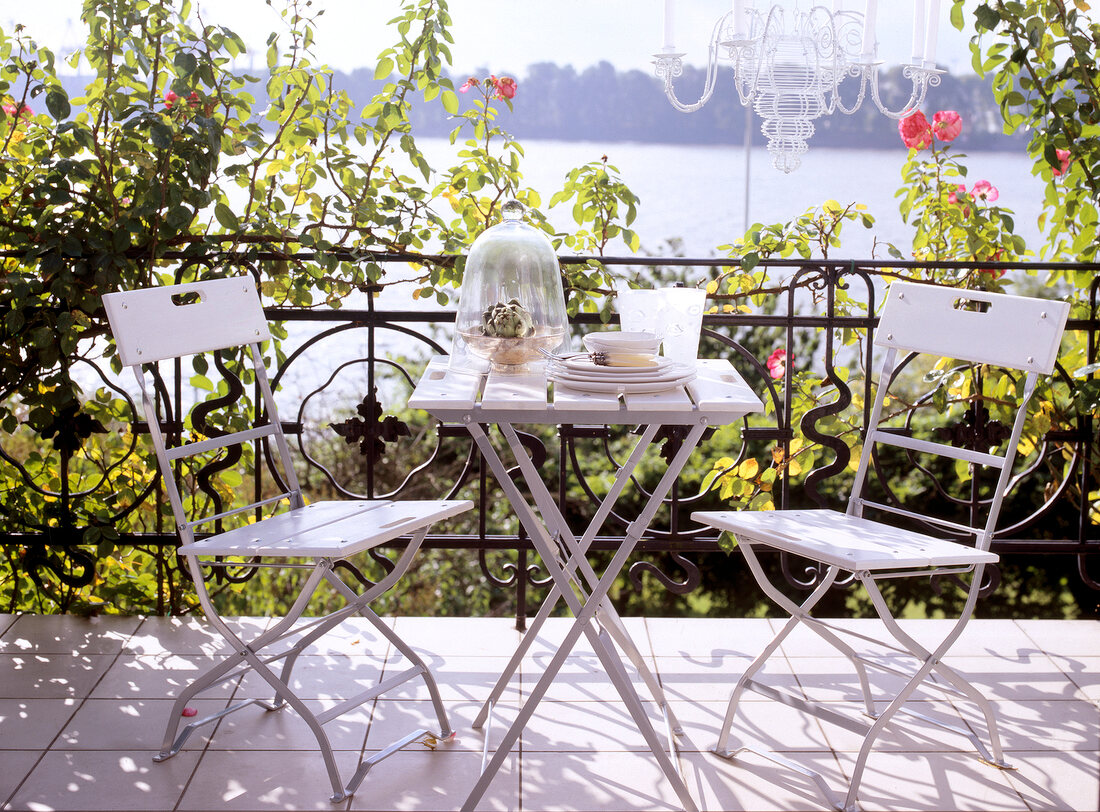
{"points": [[363, 362]]}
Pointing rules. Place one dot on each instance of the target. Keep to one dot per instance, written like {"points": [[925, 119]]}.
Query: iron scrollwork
{"points": [[370, 429]]}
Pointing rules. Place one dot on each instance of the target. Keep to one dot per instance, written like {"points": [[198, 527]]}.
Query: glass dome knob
{"points": [[513, 211]]}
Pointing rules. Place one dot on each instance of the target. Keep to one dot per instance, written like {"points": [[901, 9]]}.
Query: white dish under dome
{"points": [[511, 304]]}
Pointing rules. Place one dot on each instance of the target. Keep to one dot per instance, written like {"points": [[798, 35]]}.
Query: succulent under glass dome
{"points": [[511, 303]]}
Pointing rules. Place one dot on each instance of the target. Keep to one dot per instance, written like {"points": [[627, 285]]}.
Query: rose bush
{"points": [[168, 161], [951, 223]]}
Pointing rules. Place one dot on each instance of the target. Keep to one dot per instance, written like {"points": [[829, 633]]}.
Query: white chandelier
{"points": [[790, 66]]}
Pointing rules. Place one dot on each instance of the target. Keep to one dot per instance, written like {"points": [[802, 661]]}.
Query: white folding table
{"points": [[717, 396]]}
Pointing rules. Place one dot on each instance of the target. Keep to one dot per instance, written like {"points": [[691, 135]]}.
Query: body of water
{"points": [[696, 195]]}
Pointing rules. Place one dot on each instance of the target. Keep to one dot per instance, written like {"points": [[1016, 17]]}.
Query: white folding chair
{"points": [[156, 324], [1008, 332]]}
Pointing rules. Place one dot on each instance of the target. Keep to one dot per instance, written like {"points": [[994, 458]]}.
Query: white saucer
{"points": [[584, 363], [624, 387], [637, 376]]}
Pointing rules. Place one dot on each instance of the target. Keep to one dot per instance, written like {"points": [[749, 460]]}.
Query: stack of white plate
{"points": [[580, 372]]}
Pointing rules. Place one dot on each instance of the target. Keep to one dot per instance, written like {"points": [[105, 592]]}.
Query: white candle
{"points": [[869, 27], [739, 22], [668, 26], [933, 32], [919, 21]]}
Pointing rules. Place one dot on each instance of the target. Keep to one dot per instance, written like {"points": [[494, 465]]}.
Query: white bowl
{"points": [[622, 341]]}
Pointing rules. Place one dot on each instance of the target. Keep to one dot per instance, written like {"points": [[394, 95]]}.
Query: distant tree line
{"points": [[603, 104]]}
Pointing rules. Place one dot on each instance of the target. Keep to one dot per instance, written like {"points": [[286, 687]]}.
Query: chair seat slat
{"points": [[849, 542], [327, 529]]}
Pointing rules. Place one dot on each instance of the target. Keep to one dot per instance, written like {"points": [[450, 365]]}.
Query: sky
{"points": [[504, 36]]}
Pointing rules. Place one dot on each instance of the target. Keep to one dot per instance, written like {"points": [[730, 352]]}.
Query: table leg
{"points": [[552, 516], [564, 578], [578, 549]]}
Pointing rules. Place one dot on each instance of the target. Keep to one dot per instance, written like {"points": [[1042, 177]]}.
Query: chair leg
{"points": [[361, 602], [798, 614], [995, 759], [283, 694]]}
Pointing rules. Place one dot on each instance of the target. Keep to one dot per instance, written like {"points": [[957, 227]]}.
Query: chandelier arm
{"points": [[865, 72], [922, 79], [670, 66]]}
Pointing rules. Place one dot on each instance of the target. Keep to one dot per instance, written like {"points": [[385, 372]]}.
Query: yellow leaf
{"points": [[794, 468], [712, 287], [748, 469]]}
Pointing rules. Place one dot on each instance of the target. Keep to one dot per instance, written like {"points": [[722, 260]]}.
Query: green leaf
{"points": [[450, 101], [957, 16], [161, 135], [384, 69], [986, 17], [57, 102], [226, 217], [185, 63]]}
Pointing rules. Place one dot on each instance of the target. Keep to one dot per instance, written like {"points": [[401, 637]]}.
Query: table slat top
{"points": [[718, 395]]}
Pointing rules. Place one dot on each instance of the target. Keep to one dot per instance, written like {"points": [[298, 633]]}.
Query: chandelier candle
{"points": [[919, 22], [932, 34], [739, 22], [668, 26], [869, 12]]}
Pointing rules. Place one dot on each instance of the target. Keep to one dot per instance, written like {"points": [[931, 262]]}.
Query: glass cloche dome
{"points": [[511, 303]]}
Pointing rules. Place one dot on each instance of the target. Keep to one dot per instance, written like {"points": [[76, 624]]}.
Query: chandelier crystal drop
{"points": [[792, 66]]}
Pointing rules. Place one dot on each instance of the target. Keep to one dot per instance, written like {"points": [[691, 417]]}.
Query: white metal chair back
{"points": [[158, 324], [974, 326]]}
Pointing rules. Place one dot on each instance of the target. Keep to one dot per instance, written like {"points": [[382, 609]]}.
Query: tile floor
{"points": [[83, 705]]}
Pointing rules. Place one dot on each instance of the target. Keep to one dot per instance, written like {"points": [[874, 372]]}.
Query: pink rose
{"points": [[170, 98], [915, 131], [946, 125], [777, 364], [1063, 160], [471, 82], [505, 87], [984, 190], [953, 195]]}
